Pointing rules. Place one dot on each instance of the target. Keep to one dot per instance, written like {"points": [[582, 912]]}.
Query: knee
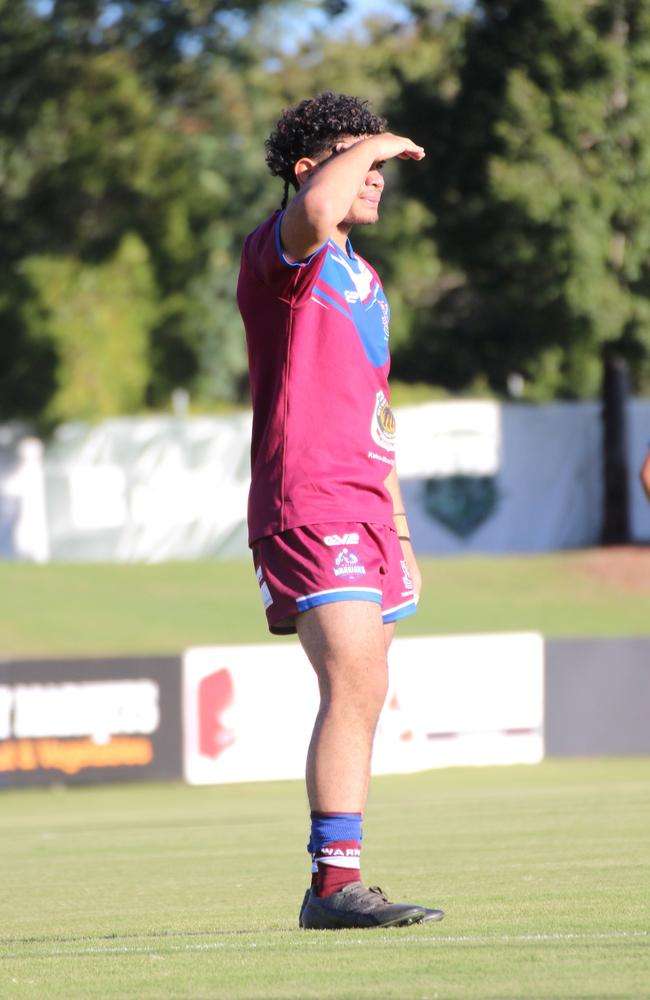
{"points": [[361, 692], [379, 689]]}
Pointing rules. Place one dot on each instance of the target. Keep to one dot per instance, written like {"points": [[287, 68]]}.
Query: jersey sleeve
{"points": [[264, 257]]}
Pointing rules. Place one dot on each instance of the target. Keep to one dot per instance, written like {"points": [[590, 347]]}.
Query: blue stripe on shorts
{"points": [[338, 594]]}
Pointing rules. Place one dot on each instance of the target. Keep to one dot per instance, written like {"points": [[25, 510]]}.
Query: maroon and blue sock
{"points": [[335, 848]]}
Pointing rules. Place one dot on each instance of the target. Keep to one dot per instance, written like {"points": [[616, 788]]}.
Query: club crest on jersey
{"points": [[382, 426], [347, 539], [347, 564]]}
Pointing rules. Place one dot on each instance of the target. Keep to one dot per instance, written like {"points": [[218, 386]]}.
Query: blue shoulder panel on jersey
{"points": [[350, 277]]}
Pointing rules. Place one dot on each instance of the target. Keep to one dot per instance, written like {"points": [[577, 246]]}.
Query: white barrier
{"points": [[453, 700], [485, 477], [476, 477], [23, 519]]}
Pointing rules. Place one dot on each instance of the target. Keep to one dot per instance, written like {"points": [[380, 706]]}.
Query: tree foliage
{"points": [[540, 186], [116, 127], [131, 168], [101, 337]]}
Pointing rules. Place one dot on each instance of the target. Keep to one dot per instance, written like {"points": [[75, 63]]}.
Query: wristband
{"points": [[404, 538]]}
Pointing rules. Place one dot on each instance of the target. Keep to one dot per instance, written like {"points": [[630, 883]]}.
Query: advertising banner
{"points": [[597, 695], [462, 700], [453, 700], [83, 721]]}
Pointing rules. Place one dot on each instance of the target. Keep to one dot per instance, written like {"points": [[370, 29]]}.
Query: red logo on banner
{"points": [[215, 696]]}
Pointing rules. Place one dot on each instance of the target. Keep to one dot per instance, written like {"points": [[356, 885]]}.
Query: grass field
{"points": [[159, 892], [177, 892], [59, 610]]}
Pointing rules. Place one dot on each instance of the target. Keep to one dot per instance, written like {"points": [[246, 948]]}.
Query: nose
{"points": [[375, 179]]}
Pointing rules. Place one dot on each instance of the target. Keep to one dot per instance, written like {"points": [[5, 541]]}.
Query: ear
{"points": [[303, 169]]}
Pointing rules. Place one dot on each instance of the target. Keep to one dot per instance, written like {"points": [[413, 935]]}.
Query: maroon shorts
{"points": [[322, 563]]}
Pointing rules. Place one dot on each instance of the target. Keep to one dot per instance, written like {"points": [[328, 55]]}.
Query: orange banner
{"points": [[74, 755]]}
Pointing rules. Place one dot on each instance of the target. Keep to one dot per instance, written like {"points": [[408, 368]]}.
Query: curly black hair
{"points": [[313, 126]]}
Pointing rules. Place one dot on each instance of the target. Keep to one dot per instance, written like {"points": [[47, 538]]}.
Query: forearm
{"points": [[327, 196], [399, 513], [329, 186], [403, 532], [324, 200]]}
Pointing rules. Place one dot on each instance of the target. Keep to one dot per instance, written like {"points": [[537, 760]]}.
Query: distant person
{"points": [[645, 474], [329, 535]]}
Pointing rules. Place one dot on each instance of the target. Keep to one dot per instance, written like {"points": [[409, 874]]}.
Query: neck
{"points": [[341, 234]]}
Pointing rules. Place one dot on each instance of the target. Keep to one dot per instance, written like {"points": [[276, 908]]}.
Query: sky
{"points": [[358, 11], [301, 19]]}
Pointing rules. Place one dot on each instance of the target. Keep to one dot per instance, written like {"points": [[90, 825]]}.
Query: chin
{"points": [[364, 217]]}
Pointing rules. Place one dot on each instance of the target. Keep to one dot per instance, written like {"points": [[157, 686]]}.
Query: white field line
{"points": [[371, 939]]}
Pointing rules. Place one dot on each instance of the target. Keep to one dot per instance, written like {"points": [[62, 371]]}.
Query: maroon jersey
{"points": [[323, 431]]}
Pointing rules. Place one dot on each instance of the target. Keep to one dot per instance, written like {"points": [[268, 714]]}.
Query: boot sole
{"points": [[403, 921]]}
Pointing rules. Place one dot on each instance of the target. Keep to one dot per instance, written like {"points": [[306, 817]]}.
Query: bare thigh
{"points": [[346, 644]]}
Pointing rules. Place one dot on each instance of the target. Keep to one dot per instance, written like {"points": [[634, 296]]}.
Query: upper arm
{"points": [[264, 258], [303, 230]]}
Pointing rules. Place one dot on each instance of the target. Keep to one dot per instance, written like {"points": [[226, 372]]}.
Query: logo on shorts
{"points": [[267, 600], [382, 425], [351, 539], [406, 576], [347, 564]]}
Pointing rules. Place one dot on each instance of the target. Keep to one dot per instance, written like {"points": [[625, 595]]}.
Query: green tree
{"points": [[539, 183], [121, 119], [99, 316], [29, 359]]}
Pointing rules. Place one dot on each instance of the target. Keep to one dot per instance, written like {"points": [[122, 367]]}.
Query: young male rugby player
{"points": [[327, 526]]}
